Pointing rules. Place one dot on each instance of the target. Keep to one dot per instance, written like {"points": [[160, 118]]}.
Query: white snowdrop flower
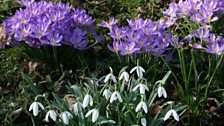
{"points": [[139, 71], [95, 114], [65, 116], [141, 105], [77, 107], [124, 75], [142, 88], [162, 92], [35, 107], [107, 93], [88, 100], [171, 112], [116, 95], [110, 76], [143, 122], [52, 114]]}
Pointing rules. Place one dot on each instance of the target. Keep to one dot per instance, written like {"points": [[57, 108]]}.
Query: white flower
{"points": [[35, 107], [171, 112], [88, 100], [107, 93], [95, 114], [77, 107], [124, 75], [116, 95], [142, 105], [142, 88], [110, 76], [162, 91], [139, 71], [52, 115], [65, 116], [143, 122]]}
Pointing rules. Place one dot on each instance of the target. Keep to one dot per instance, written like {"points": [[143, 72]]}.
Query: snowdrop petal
{"points": [[144, 106], [142, 89], [31, 107], [107, 93], [95, 115], [107, 78], [89, 113], [53, 115], [46, 117], [91, 100], [126, 76], [175, 115], [119, 97], [159, 91], [136, 87], [143, 122], [137, 109], [164, 92], [168, 114], [113, 78], [35, 109], [133, 69], [121, 76], [65, 119], [141, 69], [113, 97], [40, 105]]}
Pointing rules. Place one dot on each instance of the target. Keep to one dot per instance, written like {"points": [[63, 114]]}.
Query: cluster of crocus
{"points": [[48, 23], [200, 11], [138, 37]]}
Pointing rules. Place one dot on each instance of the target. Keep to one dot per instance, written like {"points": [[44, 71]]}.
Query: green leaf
{"points": [[28, 80]]}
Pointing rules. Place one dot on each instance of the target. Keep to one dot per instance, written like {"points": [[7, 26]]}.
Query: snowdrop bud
{"points": [[88, 100], [162, 91], [52, 115], [65, 116], [124, 76], [95, 114], [116, 95], [35, 107], [171, 112], [142, 105], [143, 122], [107, 93]]}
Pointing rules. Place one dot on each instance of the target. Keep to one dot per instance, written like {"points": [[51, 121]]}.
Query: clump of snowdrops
{"points": [[128, 99]]}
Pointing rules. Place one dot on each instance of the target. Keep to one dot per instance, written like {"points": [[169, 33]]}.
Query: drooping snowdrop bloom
{"points": [[77, 107], [88, 100], [95, 114], [162, 92], [52, 114], [35, 107], [107, 93], [124, 75], [142, 88], [65, 116], [116, 95], [141, 105], [139, 71], [110, 76], [173, 113], [143, 122]]}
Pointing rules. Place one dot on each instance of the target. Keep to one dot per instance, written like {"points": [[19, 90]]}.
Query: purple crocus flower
{"points": [[109, 24], [54, 39]]}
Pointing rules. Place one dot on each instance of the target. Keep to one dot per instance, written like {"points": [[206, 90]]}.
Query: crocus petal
{"points": [[168, 114]]}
